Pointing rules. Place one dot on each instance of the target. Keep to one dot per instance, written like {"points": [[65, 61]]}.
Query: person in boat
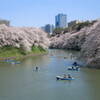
{"points": [[51, 54], [77, 67], [65, 76], [65, 57], [12, 62], [69, 76], [75, 64], [72, 67], [36, 68]]}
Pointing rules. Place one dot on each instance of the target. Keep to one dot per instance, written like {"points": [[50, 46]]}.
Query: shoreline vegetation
{"points": [[9, 52], [16, 42]]}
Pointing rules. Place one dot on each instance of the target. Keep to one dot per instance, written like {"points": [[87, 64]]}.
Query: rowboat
{"points": [[74, 68], [15, 62], [9, 60], [62, 78]]}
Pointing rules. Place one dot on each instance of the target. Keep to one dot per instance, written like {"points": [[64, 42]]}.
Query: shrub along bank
{"points": [[10, 51]]}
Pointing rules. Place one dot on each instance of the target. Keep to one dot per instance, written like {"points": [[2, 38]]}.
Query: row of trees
{"points": [[77, 27]]}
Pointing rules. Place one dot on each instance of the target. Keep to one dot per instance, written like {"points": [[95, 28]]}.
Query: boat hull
{"points": [[62, 78], [9, 60], [15, 62], [73, 69]]}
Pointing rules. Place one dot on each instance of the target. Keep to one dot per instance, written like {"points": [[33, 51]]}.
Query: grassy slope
{"points": [[9, 51]]}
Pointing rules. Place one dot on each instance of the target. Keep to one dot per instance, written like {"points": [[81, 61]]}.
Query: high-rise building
{"points": [[72, 23], [61, 21], [6, 22], [43, 28], [49, 28]]}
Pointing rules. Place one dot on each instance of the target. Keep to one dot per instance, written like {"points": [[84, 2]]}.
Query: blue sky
{"points": [[37, 13]]}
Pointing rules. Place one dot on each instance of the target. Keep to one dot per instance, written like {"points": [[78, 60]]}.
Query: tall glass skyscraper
{"points": [[61, 21], [49, 28]]}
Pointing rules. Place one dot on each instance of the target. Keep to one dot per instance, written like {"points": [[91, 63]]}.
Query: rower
{"points": [[69, 76], [75, 63], [65, 76], [36, 68]]}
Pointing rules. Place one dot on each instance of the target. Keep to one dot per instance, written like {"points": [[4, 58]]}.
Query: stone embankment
{"points": [[87, 41]]}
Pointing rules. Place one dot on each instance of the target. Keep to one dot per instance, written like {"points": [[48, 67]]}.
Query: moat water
{"points": [[23, 82]]}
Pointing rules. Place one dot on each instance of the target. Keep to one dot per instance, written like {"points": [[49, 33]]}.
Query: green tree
{"points": [[58, 31]]}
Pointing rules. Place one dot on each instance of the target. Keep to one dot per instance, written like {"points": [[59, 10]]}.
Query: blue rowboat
{"points": [[15, 62], [73, 69], [9, 60], [62, 78]]}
